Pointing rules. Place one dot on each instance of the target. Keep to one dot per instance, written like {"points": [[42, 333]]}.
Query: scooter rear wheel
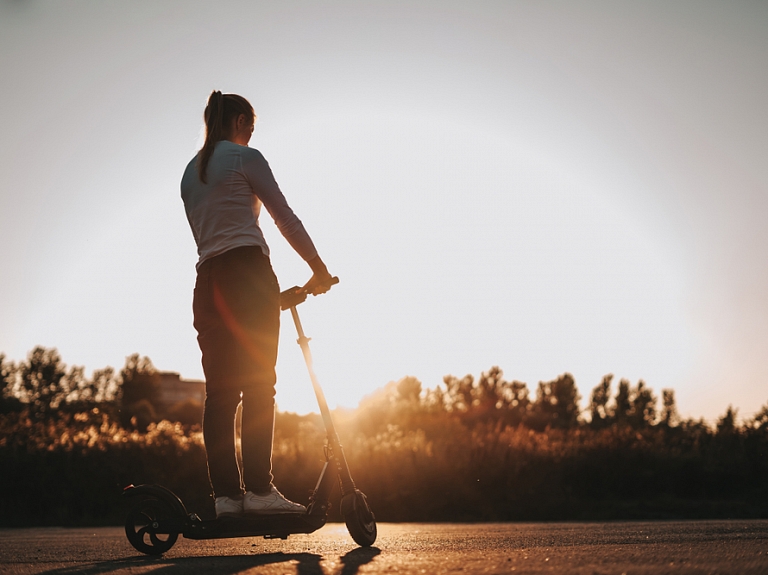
{"points": [[142, 521], [359, 518]]}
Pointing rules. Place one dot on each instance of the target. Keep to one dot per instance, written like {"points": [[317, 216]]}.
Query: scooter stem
{"points": [[303, 341], [347, 484]]}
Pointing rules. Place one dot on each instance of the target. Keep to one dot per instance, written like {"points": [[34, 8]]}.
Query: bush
{"points": [[476, 450]]}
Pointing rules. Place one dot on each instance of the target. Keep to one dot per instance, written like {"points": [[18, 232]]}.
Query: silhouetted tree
{"points": [[104, 385], [727, 423], [622, 405], [85, 394], [489, 394], [490, 399], [518, 404], [669, 416], [643, 412], [73, 384], [760, 421], [44, 385], [8, 401], [434, 401], [6, 368], [557, 404], [598, 405], [139, 390], [458, 395], [42, 380], [409, 389]]}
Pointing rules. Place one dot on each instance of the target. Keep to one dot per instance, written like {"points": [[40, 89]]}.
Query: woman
{"points": [[237, 303]]}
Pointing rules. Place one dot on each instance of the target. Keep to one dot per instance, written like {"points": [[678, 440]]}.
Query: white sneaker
{"points": [[228, 507], [270, 504]]}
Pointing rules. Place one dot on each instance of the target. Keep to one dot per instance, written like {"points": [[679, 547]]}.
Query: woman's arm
{"points": [[265, 187], [320, 282]]}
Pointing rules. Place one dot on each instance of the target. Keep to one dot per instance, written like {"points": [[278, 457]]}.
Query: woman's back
{"points": [[223, 213]]}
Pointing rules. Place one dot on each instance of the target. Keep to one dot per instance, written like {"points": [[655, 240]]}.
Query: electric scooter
{"points": [[157, 516]]}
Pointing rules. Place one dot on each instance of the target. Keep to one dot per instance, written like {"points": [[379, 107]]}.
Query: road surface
{"points": [[585, 548]]}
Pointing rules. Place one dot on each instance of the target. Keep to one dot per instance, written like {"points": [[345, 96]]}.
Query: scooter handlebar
{"points": [[296, 295]]}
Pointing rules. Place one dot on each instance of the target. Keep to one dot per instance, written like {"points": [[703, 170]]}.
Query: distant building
{"points": [[174, 390]]}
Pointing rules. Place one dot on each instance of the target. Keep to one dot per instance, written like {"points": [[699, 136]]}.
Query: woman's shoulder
{"points": [[251, 156], [250, 152], [192, 163], [190, 171], [245, 152]]}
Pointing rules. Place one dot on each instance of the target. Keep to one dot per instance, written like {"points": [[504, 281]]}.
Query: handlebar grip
{"points": [[292, 297], [296, 295]]}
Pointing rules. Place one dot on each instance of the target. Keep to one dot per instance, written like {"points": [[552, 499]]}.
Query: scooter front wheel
{"points": [[142, 523], [359, 518]]}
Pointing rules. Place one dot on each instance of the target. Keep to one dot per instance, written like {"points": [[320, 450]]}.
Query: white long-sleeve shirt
{"points": [[224, 213]]}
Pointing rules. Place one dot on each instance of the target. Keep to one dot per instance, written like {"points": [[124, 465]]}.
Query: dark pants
{"points": [[237, 317]]}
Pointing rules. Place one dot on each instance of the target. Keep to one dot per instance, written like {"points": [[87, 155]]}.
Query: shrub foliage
{"points": [[468, 449]]}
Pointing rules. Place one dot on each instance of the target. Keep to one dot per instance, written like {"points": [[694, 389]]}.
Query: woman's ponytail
{"points": [[219, 112]]}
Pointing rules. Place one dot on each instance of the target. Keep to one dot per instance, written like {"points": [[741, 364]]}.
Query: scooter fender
{"points": [[158, 492]]}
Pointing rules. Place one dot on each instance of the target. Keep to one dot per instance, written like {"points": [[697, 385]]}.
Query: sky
{"points": [[548, 187]]}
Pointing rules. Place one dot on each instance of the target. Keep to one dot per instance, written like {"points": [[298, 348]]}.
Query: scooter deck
{"points": [[278, 526]]}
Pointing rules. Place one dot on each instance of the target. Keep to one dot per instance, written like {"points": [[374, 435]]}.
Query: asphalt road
{"points": [[584, 548]]}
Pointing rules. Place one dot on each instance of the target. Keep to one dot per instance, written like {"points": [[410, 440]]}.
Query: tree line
{"points": [[43, 386], [482, 448]]}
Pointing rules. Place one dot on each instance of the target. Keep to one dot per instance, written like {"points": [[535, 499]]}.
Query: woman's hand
{"points": [[320, 282]]}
